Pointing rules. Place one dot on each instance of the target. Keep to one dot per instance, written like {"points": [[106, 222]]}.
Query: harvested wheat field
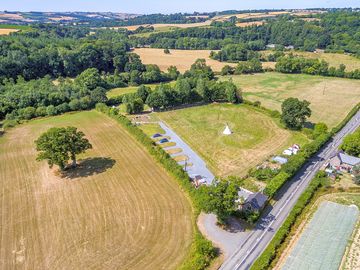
{"points": [[118, 210], [255, 136], [331, 98], [4, 31], [182, 59]]}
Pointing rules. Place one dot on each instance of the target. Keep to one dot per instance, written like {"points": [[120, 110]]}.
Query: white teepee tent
{"points": [[227, 130]]}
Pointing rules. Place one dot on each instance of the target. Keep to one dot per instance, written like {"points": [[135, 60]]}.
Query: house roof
{"points": [[257, 200], [350, 160]]}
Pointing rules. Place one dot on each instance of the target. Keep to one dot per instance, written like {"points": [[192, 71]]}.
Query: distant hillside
{"points": [[7, 17]]}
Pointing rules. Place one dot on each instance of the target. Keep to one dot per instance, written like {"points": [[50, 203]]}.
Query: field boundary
{"points": [[202, 251]]}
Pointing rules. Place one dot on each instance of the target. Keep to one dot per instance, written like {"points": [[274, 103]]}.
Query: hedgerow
{"points": [[201, 251], [271, 251]]}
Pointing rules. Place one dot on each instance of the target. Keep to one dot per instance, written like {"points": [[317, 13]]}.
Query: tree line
{"points": [[196, 85], [337, 31], [294, 64]]}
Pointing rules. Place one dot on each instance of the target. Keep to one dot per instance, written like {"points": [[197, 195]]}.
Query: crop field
{"points": [[182, 59], [118, 210], [331, 98], [323, 242], [4, 31], [255, 136]]}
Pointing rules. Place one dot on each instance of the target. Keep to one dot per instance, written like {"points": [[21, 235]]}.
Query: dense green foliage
{"points": [[336, 31], [271, 251], [238, 52], [59, 145], [351, 144], [62, 51], [196, 85], [295, 112], [220, 198], [291, 64], [202, 251]]}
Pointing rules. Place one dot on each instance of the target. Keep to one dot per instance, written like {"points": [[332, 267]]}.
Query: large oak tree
{"points": [[59, 145]]}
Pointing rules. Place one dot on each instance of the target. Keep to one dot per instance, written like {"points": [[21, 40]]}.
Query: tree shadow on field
{"points": [[88, 167]]}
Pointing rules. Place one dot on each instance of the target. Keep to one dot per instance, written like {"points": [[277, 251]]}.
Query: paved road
{"points": [[198, 165], [254, 243]]}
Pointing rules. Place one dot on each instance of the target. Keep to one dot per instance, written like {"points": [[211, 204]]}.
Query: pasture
{"points": [[118, 210], [255, 136], [331, 98], [323, 242]]}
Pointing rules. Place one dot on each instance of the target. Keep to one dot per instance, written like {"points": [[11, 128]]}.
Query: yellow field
{"points": [[118, 210], [331, 98], [7, 31], [182, 59]]}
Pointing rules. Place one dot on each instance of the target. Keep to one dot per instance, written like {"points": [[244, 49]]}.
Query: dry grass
{"points": [[256, 136], [331, 98], [120, 210], [181, 158], [182, 59], [174, 151], [7, 31]]}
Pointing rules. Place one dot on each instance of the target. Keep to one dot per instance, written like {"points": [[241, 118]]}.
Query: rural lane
{"points": [[254, 243]]}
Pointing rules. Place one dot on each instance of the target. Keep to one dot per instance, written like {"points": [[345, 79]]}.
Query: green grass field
{"points": [[118, 210], [256, 136], [331, 98], [128, 90]]}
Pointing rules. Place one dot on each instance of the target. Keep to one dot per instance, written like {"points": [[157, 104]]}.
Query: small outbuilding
{"points": [[157, 135]]}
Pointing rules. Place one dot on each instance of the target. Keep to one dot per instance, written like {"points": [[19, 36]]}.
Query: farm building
{"points": [[343, 162], [251, 201]]}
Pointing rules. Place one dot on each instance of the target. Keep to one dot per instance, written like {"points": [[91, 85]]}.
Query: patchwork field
{"points": [[255, 136], [331, 98], [118, 210]]}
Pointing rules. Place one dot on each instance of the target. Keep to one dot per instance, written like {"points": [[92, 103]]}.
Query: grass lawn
{"points": [[118, 210], [256, 136], [331, 98]]}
